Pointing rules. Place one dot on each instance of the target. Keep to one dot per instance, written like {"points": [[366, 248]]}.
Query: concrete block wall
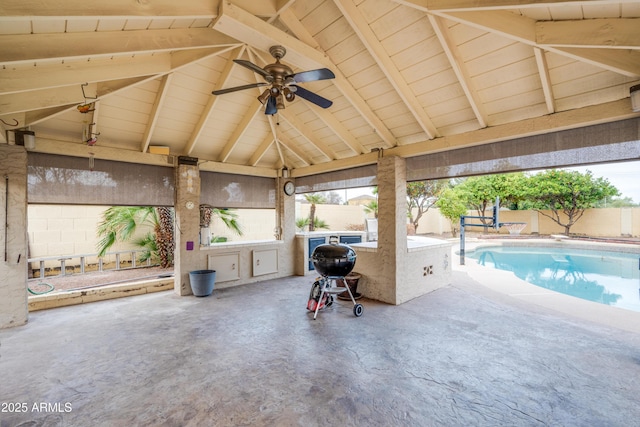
{"points": [[57, 230]]}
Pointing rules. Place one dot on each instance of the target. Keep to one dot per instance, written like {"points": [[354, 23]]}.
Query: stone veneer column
{"points": [[392, 223], [187, 233], [13, 270]]}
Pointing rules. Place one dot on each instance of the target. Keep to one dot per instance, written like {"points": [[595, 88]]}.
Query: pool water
{"points": [[611, 278]]}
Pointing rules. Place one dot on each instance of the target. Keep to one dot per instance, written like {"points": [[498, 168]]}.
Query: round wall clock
{"points": [[289, 188]]}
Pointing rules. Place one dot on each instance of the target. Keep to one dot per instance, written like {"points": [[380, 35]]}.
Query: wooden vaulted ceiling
{"points": [[412, 76]]}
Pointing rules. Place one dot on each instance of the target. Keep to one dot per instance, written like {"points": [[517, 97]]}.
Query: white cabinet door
{"points": [[265, 262], [227, 266]]}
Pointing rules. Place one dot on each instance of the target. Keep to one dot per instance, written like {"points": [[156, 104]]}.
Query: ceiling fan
{"points": [[283, 83]]}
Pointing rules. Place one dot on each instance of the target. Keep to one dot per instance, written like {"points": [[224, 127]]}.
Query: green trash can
{"points": [[202, 282]]}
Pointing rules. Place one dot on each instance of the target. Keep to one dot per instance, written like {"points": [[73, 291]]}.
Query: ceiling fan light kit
{"points": [[283, 83]]}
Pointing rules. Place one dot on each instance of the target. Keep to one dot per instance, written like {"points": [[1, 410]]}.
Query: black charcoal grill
{"points": [[333, 261]]}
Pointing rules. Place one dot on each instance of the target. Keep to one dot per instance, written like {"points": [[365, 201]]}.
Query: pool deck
{"points": [[505, 282], [486, 350]]}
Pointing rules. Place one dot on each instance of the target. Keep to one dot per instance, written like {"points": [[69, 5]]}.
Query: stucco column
{"points": [[392, 223], [13, 264], [286, 206], [187, 233]]}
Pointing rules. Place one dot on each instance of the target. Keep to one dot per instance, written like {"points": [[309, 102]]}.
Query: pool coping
{"points": [[506, 282]]}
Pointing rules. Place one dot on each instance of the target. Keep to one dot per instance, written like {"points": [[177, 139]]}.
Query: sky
{"points": [[625, 176]]}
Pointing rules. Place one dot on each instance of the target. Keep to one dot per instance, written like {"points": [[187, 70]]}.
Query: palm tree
{"points": [[228, 217], [372, 207], [314, 199], [119, 224]]}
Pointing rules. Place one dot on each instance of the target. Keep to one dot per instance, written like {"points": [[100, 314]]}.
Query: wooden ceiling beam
{"points": [[377, 51], [262, 150], [545, 79], [249, 29], [239, 131], [211, 102], [457, 64], [293, 120], [620, 33], [571, 119], [14, 80], [112, 9], [523, 29], [28, 48], [165, 82], [467, 5]]}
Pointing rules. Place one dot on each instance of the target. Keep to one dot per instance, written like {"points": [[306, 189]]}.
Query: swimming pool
{"points": [[611, 278]]}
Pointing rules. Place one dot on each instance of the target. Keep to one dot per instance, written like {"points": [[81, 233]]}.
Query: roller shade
{"points": [[223, 190], [361, 176], [55, 179]]}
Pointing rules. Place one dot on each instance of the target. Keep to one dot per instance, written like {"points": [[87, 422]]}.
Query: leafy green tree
{"points": [[452, 206], [617, 202], [480, 192], [120, 223], [314, 199], [421, 195], [229, 218], [567, 194], [320, 224]]}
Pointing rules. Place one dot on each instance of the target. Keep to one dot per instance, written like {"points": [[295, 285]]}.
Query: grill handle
{"points": [[334, 239]]}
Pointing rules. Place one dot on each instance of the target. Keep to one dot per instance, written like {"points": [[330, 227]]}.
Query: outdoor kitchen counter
{"points": [[423, 268], [414, 243]]}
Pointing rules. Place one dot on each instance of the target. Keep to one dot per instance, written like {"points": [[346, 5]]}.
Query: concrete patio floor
{"points": [[252, 355]]}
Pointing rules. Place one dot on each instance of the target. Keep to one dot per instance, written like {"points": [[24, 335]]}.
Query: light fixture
{"points": [[271, 107], [265, 96], [279, 102], [634, 92], [288, 94], [26, 138]]}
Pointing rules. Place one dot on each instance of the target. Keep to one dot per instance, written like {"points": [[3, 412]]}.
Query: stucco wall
{"points": [[604, 222], [13, 271]]}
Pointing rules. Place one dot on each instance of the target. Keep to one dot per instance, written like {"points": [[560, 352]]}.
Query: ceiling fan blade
{"points": [[237, 88], [253, 67], [312, 97], [313, 75]]}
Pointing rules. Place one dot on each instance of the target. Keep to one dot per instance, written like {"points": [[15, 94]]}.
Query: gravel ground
{"points": [[76, 281]]}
